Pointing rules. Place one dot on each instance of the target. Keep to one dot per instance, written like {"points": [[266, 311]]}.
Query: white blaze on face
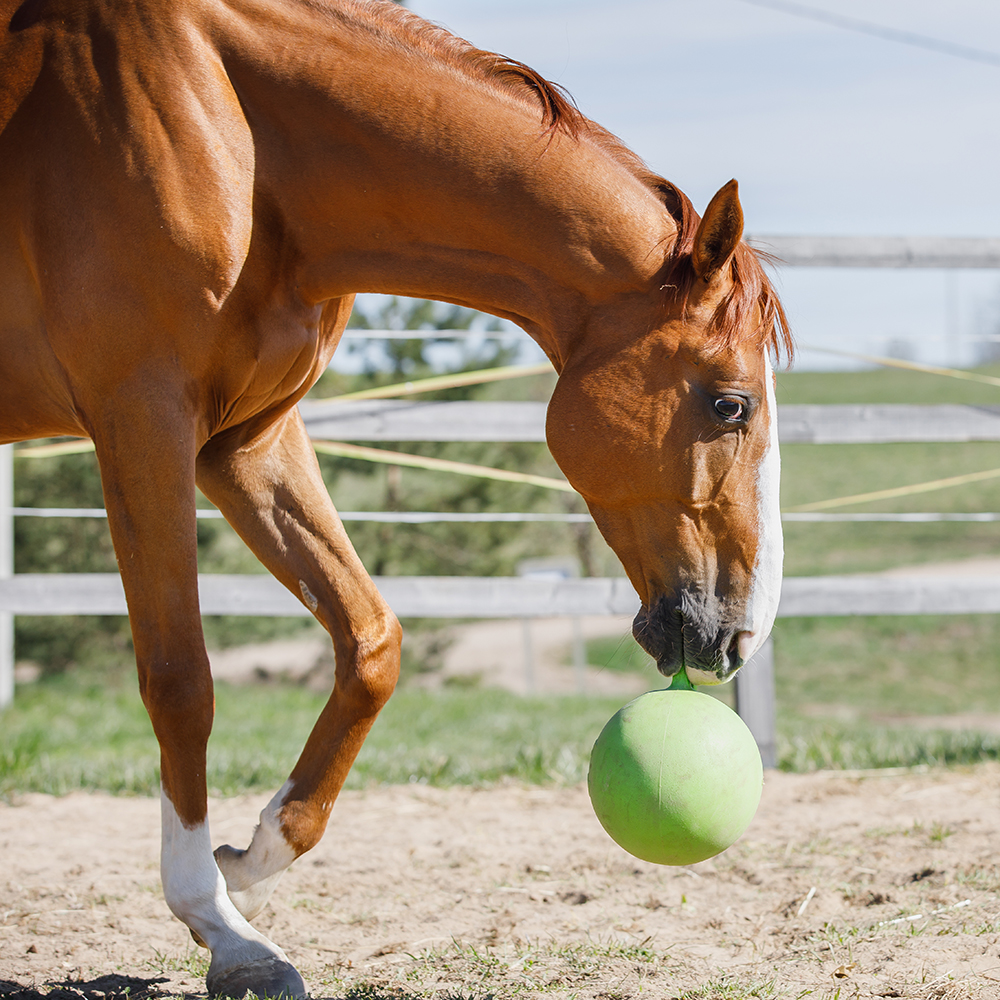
{"points": [[765, 585]]}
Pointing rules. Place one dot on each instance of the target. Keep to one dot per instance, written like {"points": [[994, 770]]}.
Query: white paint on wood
{"points": [[6, 572], [886, 423], [511, 597], [413, 420], [858, 423], [756, 702], [881, 251]]}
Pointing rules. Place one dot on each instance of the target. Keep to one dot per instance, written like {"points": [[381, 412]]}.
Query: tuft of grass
{"points": [[811, 745], [194, 963], [463, 971], [731, 988], [939, 833]]}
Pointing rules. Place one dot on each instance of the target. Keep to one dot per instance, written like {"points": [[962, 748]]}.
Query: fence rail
{"points": [[510, 597], [867, 423], [882, 251]]}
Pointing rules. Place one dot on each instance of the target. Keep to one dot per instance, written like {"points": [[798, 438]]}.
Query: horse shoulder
{"points": [[142, 91], [185, 131]]}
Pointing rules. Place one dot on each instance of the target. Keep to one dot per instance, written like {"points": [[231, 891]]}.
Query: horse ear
{"points": [[718, 233]]}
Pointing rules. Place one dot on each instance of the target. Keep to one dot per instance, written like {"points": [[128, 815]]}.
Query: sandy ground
{"points": [[845, 886], [880, 886]]}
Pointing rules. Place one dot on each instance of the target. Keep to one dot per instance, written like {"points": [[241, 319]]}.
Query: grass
{"points": [[885, 385], [728, 987], [873, 667], [67, 733], [811, 473], [889, 665], [610, 970]]}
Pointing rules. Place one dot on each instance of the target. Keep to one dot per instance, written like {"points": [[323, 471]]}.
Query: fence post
{"points": [[579, 655], [6, 570], [755, 701], [529, 656]]}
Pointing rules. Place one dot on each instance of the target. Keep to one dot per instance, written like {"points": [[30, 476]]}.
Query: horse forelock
{"points": [[752, 291]]}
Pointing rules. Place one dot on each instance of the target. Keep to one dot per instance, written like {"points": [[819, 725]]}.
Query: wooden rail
{"points": [[861, 423], [881, 251], [509, 597]]}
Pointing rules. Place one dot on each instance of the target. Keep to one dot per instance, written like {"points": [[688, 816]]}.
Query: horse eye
{"points": [[730, 408]]}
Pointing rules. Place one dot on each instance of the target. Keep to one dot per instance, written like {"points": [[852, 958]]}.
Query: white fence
{"points": [[509, 597], [882, 251], [859, 423]]}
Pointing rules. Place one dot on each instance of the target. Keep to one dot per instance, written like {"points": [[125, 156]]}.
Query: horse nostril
{"points": [[746, 644]]}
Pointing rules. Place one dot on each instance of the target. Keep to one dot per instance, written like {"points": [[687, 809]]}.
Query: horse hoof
{"points": [[267, 977]]}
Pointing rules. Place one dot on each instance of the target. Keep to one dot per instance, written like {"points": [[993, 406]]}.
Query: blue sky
{"points": [[828, 131]]}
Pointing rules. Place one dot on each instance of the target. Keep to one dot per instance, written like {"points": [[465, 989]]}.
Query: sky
{"points": [[829, 131]]}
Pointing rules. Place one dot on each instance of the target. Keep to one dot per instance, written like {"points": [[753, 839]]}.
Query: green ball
{"points": [[675, 777]]}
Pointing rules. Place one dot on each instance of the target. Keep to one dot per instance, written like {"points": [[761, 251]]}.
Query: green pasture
{"points": [[874, 692], [844, 702], [852, 693], [68, 733]]}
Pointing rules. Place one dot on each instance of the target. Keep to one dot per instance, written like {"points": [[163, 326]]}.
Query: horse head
{"points": [[670, 436]]}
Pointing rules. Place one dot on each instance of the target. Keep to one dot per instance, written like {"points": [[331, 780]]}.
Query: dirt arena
{"points": [[844, 886]]}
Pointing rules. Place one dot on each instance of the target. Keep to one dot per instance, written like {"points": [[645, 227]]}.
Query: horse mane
{"points": [[396, 26], [752, 288]]}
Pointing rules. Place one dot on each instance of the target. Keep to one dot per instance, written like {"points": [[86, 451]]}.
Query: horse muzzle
{"points": [[683, 633]]}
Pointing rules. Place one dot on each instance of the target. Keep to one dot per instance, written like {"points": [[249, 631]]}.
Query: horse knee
{"points": [[181, 707], [180, 701], [371, 669]]}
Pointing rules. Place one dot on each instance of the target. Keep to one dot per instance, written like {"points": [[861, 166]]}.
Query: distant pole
{"points": [[755, 702], [6, 571], [579, 656], [953, 329], [529, 657]]}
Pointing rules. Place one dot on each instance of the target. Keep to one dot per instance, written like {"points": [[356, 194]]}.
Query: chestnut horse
{"points": [[192, 193]]}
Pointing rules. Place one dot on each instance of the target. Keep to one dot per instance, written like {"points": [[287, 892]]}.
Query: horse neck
{"points": [[399, 173]]}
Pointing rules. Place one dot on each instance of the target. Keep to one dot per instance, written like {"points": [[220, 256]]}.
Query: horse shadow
{"points": [[134, 988], [103, 988]]}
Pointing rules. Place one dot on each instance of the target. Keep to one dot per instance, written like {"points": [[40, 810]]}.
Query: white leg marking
{"points": [[196, 893], [765, 589], [252, 875]]}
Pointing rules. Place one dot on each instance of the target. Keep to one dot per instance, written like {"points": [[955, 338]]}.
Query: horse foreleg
{"points": [[271, 491], [147, 468]]}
